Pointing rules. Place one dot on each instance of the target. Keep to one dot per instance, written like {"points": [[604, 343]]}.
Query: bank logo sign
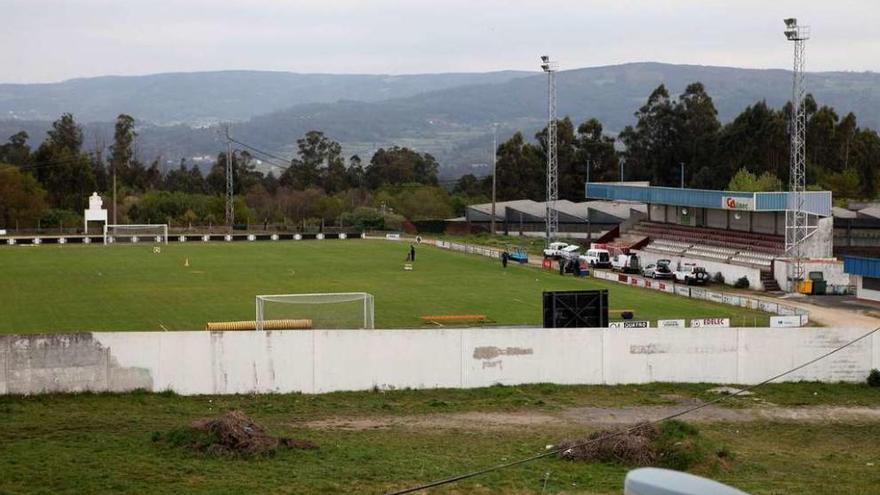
{"points": [[710, 323], [629, 324], [734, 203]]}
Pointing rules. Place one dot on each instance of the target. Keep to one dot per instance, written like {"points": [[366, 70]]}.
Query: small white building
{"points": [[865, 275]]}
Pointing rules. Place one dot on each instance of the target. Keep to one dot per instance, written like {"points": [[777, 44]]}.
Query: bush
{"points": [[58, 218], [874, 378], [718, 278], [742, 283]]}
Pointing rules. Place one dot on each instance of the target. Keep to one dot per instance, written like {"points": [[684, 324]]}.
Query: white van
{"points": [[626, 263], [597, 258]]}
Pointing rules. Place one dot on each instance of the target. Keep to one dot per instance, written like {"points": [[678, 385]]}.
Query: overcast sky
{"points": [[52, 40]]}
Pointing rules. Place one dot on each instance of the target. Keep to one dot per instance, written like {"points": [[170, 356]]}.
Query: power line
{"points": [[50, 164], [689, 410], [263, 152]]}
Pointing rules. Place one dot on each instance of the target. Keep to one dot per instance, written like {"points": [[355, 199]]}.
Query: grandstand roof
{"points": [[816, 202], [573, 211], [839, 212], [525, 205], [871, 211], [619, 209]]}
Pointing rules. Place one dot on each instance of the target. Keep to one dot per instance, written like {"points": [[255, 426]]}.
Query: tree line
{"points": [[49, 185], [684, 133]]}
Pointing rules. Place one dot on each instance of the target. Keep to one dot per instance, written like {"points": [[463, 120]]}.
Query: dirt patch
{"points": [[594, 417], [231, 433]]}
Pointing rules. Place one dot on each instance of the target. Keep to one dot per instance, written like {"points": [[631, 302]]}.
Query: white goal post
{"points": [[154, 232], [335, 310]]}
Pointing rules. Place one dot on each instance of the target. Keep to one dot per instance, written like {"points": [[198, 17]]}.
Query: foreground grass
{"points": [[70, 288], [102, 443]]}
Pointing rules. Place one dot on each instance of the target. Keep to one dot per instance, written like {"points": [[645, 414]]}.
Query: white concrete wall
{"points": [[764, 222], [744, 222], [657, 213], [716, 219], [832, 271], [862, 292], [334, 360], [731, 273], [821, 243]]}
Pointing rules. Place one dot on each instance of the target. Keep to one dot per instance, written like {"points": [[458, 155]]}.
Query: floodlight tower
{"points": [[796, 227], [552, 214]]}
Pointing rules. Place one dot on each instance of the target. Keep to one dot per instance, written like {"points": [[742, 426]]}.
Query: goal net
{"points": [[342, 310], [157, 232]]}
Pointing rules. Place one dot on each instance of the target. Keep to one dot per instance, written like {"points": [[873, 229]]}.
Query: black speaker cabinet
{"points": [[576, 308]]}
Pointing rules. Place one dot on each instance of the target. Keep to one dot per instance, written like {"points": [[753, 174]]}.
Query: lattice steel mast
{"points": [[552, 215], [796, 226]]}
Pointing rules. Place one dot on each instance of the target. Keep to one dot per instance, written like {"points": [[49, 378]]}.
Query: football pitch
{"points": [[56, 288]]}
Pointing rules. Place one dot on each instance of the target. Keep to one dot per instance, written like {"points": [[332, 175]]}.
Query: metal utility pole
{"points": [[552, 214], [682, 175], [589, 223], [620, 162], [494, 164], [230, 209], [796, 227]]}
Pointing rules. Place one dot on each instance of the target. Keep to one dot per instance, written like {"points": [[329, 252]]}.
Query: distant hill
{"points": [[454, 122], [199, 98]]}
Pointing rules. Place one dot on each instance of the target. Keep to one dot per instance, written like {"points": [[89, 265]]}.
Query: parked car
{"points": [[597, 258], [518, 254], [691, 274], [559, 250], [626, 263], [660, 269]]}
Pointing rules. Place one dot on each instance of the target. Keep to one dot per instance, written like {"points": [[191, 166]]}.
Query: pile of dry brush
{"points": [[631, 447], [671, 444], [231, 433]]}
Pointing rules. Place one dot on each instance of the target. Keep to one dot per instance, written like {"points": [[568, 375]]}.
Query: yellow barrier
{"points": [[302, 324]]}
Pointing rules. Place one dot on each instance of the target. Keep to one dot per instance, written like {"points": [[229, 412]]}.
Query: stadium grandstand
{"points": [[737, 234], [589, 220]]}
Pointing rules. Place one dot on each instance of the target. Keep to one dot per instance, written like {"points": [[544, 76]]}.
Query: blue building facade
{"points": [[865, 275], [815, 202]]}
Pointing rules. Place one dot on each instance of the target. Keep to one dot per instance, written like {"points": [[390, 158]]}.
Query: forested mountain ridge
{"points": [[454, 124], [199, 98]]}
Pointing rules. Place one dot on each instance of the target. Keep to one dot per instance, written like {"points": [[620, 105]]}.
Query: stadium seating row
{"points": [[738, 248], [735, 240]]}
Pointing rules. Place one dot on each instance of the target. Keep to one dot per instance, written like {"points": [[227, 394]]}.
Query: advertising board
{"points": [[785, 321], [629, 324], [710, 322], [671, 324], [735, 203]]}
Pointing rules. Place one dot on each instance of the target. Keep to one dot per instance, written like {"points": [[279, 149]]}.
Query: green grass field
{"points": [[80, 288], [102, 443]]}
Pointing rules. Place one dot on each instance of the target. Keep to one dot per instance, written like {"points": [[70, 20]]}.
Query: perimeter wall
{"points": [[318, 361]]}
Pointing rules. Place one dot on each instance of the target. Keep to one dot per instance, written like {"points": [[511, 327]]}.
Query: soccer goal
{"points": [[342, 310], [156, 232]]}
